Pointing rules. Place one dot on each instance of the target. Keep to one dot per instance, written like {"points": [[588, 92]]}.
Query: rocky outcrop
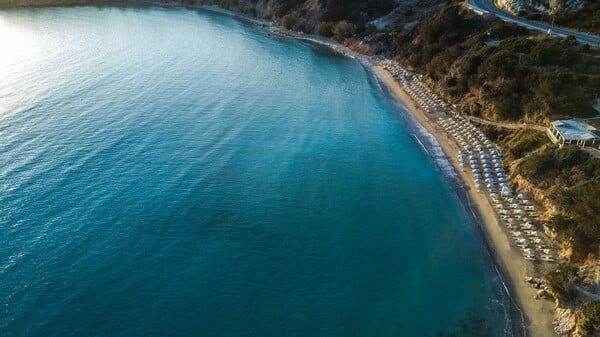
{"points": [[565, 322], [539, 195], [517, 5]]}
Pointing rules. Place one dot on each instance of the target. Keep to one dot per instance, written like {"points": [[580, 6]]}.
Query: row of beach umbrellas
{"points": [[481, 156]]}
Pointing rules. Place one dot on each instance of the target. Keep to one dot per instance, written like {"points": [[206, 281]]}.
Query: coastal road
{"points": [[487, 6]]}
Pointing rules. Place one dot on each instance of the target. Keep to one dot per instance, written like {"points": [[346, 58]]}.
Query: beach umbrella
{"points": [[529, 251]]}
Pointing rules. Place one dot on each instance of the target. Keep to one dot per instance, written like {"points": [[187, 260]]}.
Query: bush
{"points": [[283, 7], [355, 11], [586, 18], [343, 29], [326, 29], [589, 318], [581, 205], [573, 179], [526, 141], [585, 48], [533, 16], [541, 55], [503, 30], [551, 163], [560, 282], [289, 21]]}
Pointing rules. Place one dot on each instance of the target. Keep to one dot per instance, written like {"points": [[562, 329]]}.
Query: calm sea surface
{"points": [[168, 172]]}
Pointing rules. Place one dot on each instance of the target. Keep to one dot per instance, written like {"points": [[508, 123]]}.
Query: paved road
{"points": [[487, 6]]}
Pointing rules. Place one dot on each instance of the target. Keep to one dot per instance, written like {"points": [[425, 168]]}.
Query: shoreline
{"points": [[511, 265], [529, 316], [506, 260], [535, 316]]}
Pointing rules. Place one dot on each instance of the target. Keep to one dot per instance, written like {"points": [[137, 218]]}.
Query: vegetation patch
{"points": [[514, 74], [560, 282], [589, 318], [572, 178]]}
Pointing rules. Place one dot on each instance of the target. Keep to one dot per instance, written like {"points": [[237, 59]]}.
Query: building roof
{"points": [[573, 130], [594, 122]]}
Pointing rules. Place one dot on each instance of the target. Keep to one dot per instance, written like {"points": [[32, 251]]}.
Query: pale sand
{"points": [[538, 313]]}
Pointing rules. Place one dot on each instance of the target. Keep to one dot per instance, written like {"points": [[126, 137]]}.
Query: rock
{"points": [[540, 5], [542, 293], [564, 321]]}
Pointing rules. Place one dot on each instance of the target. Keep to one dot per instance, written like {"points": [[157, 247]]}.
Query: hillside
{"points": [[582, 15]]}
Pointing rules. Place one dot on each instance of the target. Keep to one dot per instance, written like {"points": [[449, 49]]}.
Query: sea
{"points": [[177, 172]]}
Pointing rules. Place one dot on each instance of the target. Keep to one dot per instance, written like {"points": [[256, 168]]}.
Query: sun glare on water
{"points": [[16, 46]]}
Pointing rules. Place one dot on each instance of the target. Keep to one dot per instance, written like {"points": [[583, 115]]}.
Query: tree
{"points": [[289, 21], [326, 29], [560, 282], [589, 318], [343, 29]]}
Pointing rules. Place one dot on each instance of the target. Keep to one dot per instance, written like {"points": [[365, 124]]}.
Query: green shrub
{"points": [[560, 282], [551, 163], [289, 21], [589, 318], [586, 18], [526, 141], [326, 29], [283, 7], [573, 179], [343, 29], [502, 30]]}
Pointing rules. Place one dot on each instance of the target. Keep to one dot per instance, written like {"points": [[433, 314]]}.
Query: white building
{"points": [[573, 132]]}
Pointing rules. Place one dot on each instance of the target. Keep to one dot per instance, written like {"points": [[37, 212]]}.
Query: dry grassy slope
{"points": [[405, 11]]}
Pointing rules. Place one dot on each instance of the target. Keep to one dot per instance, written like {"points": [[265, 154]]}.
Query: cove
{"points": [[169, 172]]}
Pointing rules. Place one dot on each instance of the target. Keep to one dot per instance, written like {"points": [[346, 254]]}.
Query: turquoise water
{"points": [[168, 172]]}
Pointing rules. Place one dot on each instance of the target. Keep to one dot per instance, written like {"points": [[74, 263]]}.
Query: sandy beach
{"points": [[538, 313]]}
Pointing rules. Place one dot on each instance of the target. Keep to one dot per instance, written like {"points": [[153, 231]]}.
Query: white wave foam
{"points": [[426, 140]]}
